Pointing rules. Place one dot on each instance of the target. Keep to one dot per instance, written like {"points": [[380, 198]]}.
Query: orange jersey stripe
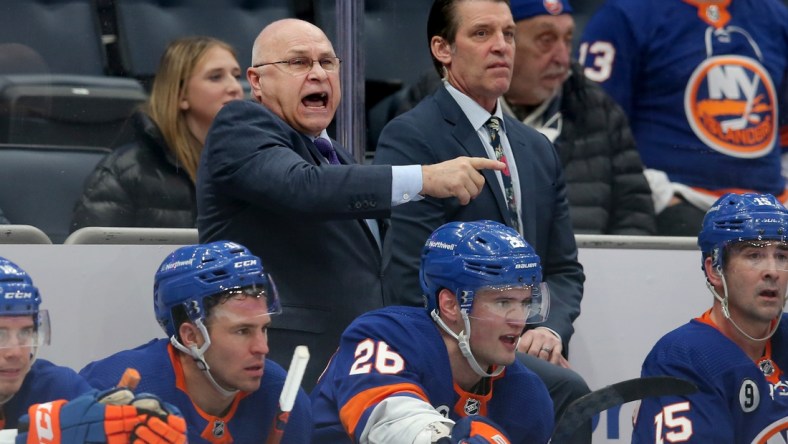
{"points": [[352, 411]]}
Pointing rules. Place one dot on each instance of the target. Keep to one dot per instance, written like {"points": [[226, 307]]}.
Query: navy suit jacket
{"points": [[265, 185], [437, 130]]}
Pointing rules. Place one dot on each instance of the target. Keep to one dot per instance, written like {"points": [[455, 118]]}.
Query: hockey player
{"points": [[24, 327], [410, 375], [701, 82], [735, 351], [42, 389], [215, 303]]}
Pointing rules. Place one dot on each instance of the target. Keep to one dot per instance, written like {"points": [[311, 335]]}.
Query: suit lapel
{"points": [[343, 154], [464, 133], [317, 158], [525, 175]]}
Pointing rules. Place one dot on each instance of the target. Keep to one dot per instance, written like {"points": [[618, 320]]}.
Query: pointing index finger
{"points": [[481, 163]]}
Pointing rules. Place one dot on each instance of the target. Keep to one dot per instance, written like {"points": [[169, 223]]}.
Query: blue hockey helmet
{"points": [[466, 256], [741, 217], [193, 273], [21, 297]]}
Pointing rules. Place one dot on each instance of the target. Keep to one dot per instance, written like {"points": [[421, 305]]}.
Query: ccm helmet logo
{"points": [[18, 295], [242, 264]]}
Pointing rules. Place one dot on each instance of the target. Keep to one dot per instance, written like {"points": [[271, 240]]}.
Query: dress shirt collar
{"points": [[323, 135], [477, 115]]}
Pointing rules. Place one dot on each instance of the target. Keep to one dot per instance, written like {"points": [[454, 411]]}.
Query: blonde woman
{"points": [[150, 182]]}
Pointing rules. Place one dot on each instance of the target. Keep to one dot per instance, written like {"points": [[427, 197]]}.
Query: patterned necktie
{"points": [[327, 150], [493, 127]]}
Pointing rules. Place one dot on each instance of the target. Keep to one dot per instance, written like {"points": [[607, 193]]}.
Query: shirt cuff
{"points": [[406, 183]]}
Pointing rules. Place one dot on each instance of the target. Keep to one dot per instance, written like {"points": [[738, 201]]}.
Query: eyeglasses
{"points": [[302, 65]]}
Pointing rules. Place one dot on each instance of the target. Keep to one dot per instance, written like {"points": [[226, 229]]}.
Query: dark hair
{"points": [[179, 315], [443, 22]]}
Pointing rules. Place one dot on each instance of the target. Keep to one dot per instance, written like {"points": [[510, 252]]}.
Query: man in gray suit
{"points": [[316, 219], [472, 46]]}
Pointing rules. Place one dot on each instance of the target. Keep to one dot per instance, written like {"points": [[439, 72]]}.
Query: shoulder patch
{"points": [[749, 396]]}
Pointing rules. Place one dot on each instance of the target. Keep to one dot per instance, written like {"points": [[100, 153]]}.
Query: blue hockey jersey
{"points": [[702, 84], [398, 351], [739, 401], [43, 383], [248, 420]]}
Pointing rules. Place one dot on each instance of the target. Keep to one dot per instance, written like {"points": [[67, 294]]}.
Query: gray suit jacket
{"points": [[266, 186], [437, 130]]}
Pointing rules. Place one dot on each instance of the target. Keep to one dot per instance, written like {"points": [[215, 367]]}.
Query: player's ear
{"points": [[448, 305], [713, 273], [190, 335]]}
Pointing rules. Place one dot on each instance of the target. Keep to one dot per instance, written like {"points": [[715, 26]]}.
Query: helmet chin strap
{"points": [[198, 354], [464, 343], [727, 313]]}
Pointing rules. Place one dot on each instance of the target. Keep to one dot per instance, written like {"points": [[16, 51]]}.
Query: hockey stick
{"points": [[289, 393], [585, 407], [130, 379]]}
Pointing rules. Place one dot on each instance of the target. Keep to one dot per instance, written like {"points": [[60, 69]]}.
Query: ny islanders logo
{"points": [[731, 105], [774, 433], [554, 7]]}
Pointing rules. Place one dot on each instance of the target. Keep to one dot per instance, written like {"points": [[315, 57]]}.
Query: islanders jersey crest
{"points": [[774, 433], [731, 105]]}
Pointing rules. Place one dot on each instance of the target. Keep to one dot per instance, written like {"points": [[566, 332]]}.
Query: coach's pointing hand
{"points": [[458, 177]]}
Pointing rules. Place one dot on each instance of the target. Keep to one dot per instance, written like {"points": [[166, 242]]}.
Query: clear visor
{"points": [[523, 304], [761, 255], [25, 330], [254, 303]]}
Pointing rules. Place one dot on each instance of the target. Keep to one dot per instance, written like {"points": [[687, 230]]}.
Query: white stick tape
{"points": [[295, 374]]}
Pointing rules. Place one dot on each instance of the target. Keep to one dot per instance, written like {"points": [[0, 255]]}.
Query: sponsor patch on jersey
{"points": [[730, 103]]}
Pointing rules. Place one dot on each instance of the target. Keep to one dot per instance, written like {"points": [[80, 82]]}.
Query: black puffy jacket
{"points": [[606, 188], [138, 185]]}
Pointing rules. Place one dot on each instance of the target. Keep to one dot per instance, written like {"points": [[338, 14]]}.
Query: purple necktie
{"points": [[327, 150]]}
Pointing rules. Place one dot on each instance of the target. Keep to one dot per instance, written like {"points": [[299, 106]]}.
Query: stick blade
{"points": [[585, 407]]}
